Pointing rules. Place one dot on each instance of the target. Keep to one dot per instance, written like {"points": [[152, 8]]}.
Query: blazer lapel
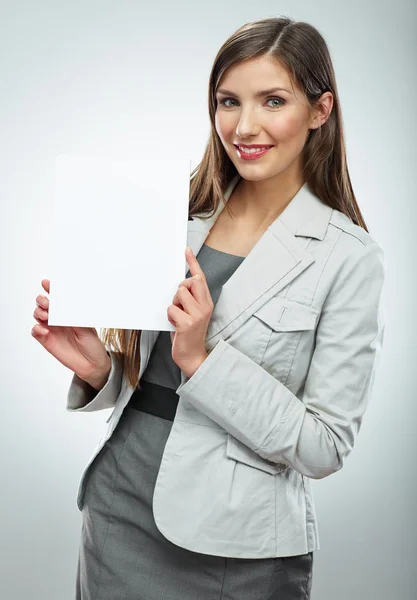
{"points": [[276, 259]]}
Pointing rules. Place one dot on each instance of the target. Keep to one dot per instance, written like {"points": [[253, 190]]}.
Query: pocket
{"points": [[281, 314], [239, 452]]}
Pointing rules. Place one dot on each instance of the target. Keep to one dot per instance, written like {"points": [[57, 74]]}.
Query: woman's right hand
{"points": [[78, 348]]}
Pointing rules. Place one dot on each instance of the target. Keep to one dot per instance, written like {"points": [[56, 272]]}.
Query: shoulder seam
{"points": [[348, 232]]}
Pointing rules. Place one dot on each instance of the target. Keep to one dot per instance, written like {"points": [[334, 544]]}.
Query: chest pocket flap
{"points": [[286, 315]]}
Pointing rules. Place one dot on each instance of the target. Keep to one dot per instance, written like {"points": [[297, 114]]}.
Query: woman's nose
{"points": [[247, 125]]}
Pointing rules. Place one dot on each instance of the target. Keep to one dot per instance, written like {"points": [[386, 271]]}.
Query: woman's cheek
{"points": [[291, 127], [223, 127]]}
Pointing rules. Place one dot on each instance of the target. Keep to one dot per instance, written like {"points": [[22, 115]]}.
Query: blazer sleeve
{"points": [[82, 397], [313, 433]]}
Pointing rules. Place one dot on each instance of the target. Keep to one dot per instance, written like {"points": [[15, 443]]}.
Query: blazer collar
{"points": [[279, 256]]}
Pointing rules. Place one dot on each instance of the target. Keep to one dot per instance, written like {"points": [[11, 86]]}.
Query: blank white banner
{"points": [[120, 233]]}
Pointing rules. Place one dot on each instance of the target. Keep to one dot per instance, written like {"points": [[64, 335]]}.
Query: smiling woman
{"points": [[264, 136], [294, 60], [200, 487]]}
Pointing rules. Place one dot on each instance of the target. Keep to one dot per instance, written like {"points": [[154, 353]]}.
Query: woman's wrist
{"points": [[100, 378]]}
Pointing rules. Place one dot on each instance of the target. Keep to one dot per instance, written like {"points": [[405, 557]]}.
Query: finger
{"points": [[198, 287], [187, 282], [190, 304], [196, 291], [42, 323], [195, 269], [43, 302], [46, 284], [40, 314], [39, 332], [177, 317], [194, 264]]}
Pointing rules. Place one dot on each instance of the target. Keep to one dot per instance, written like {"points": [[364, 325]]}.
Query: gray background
{"points": [[110, 77]]}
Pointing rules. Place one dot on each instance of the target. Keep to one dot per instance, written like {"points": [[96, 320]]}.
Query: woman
{"points": [[200, 487]]}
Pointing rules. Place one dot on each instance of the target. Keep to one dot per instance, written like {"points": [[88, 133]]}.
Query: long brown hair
{"points": [[302, 50]]}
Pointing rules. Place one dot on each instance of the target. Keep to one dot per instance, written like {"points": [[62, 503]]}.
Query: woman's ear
{"points": [[323, 109]]}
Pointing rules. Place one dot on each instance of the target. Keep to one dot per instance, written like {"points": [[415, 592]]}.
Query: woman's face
{"points": [[279, 118]]}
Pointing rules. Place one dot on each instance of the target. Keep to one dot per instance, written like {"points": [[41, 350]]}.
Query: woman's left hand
{"points": [[190, 313]]}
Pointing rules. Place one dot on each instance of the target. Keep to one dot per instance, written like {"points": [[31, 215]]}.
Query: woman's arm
{"points": [[82, 397], [315, 433]]}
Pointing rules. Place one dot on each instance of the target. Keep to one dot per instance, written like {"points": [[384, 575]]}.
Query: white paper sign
{"points": [[120, 233]]}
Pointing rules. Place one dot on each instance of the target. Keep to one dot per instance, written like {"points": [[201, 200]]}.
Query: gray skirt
{"points": [[122, 554]]}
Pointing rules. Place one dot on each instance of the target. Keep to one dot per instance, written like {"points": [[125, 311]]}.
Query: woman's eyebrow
{"points": [[258, 94]]}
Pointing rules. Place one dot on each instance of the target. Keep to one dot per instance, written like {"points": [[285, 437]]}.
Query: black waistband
{"points": [[155, 400]]}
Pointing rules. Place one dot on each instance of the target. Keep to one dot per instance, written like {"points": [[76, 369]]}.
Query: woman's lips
{"points": [[252, 155]]}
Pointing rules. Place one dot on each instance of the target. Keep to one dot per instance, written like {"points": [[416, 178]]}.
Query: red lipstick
{"points": [[251, 155]]}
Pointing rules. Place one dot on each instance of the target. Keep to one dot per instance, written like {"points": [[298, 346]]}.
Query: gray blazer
{"points": [[295, 338]]}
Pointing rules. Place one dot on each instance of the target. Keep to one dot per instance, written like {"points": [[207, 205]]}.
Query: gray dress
{"points": [[122, 554]]}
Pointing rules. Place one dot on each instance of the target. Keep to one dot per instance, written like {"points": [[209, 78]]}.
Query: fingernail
{"points": [[188, 250]]}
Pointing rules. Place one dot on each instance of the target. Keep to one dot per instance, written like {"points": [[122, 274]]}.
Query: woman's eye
{"points": [[279, 100], [224, 100]]}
